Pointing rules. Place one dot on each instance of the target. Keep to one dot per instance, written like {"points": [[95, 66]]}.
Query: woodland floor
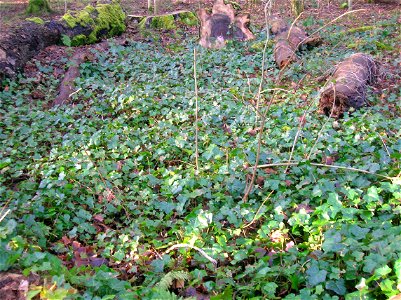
{"points": [[132, 128], [12, 12]]}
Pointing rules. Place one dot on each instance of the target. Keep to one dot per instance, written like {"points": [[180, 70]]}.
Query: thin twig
{"points": [[196, 117], [325, 25], [203, 253], [292, 25], [258, 211], [3, 215], [296, 163]]}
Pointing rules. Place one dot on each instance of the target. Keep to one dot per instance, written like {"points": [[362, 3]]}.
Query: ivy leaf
{"points": [[337, 286], [315, 276]]}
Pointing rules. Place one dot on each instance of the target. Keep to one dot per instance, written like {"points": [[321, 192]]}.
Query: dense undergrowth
{"points": [[100, 189]]}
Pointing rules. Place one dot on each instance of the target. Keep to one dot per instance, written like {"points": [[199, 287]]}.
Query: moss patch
{"points": [[79, 39], [83, 18], [103, 20], [36, 20], [38, 6], [163, 22], [189, 18]]}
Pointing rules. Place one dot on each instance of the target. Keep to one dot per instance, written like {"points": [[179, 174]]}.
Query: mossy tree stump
{"points": [[83, 27]]}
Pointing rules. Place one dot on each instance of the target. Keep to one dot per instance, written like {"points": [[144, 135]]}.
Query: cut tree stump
{"points": [[222, 25], [288, 40], [88, 26], [348, 85]]}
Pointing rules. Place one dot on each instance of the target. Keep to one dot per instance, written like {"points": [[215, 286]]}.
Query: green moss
{"points": [[38, 6], [259, 46], [361, 29], [79, 39], [110, 17], [104, 20], [163, 22], [36, 20], [188, 18], [83, 18]]}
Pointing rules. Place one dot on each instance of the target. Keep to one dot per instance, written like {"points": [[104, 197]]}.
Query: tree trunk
{"points": [[348, 85], [222, 25], [288, 40], [83, 27]]}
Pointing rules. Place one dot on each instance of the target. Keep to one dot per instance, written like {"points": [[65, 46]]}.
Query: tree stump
{"points": [[84, 27], [222, 25], [348, 85], [288, 40]]}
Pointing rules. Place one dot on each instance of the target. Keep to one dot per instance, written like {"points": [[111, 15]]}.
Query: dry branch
{"points": [[288, 40], [222, 25], [348, 85]]}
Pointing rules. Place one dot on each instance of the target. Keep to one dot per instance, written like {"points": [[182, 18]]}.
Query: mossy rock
{"points": [[104, 20], [38, 6], [36, 20]]}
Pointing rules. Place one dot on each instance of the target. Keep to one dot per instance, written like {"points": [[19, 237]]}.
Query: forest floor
{"points": [[99, 191], [367, 14]]}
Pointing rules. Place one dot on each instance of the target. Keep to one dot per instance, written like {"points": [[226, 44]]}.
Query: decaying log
{"points": [[26, 39], [222, 25], [288, 40], [348, 85]]}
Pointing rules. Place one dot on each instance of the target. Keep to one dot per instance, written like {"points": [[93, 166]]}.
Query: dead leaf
{"points": [[98, 218], [270, 171], [226, 128]]}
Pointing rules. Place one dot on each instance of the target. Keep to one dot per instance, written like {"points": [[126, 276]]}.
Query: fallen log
{"points": [[348, 85], [222, 25], [84, 27], [288, 40]]}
